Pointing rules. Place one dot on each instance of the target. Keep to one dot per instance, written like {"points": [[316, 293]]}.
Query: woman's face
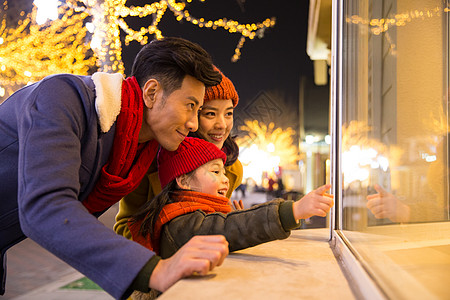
{"points": [[209, 179], [216, 121]]}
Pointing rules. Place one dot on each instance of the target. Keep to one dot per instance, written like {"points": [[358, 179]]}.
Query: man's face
{"points": [[171, 117]]}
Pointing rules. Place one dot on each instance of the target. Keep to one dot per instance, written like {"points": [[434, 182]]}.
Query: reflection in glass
{"points": [[395, 142]]}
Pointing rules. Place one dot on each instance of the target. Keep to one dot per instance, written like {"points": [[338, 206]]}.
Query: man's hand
{"points": [[315, 203], [386, 205], [200, 255]]}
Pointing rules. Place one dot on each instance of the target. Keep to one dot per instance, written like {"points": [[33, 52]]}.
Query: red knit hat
{"points": [[191, 154], [224, 90]]}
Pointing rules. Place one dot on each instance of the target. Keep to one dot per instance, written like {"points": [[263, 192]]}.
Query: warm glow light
{"points": [[90, 27], [352, 167], [46, 9], [31, 51], [428, 158], [257, 162], [357, 161], [309, 139], [379, 26], [361, 154], [383, 162], [265, 148]]}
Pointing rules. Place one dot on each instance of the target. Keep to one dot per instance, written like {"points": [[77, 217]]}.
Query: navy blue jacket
{"points": [[51, 153]]}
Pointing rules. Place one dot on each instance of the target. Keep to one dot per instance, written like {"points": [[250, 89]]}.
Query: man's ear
{"points": [[150, 92], [182, 182]]}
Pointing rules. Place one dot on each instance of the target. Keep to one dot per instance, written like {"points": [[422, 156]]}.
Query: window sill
{"points": [[300, 267]]}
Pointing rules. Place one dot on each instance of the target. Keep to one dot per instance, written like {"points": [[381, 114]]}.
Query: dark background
{"points": [[275, 61]]}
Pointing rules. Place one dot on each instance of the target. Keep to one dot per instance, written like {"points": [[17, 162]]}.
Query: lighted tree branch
{"points": [[275, 141], [108, 18], [30, 51]]}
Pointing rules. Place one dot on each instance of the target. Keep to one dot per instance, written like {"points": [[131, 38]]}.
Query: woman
{"points": [[215, 124]]}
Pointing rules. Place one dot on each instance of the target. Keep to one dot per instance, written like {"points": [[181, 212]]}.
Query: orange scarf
{"points": [[128, 160], [184, 202]]}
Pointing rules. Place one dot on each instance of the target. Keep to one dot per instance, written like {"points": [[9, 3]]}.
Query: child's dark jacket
{"points": [[242, 228]]}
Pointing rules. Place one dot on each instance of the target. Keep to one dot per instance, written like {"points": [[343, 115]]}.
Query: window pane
{"points": [[395, 142]]}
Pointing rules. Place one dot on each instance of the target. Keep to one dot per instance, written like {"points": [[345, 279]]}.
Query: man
{"points": [[71, 146]]}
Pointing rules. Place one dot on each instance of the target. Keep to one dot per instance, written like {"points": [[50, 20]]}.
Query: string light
{"points": [[46, 9], [246, 30], [378, 26], [31, 51], [108, 18]]}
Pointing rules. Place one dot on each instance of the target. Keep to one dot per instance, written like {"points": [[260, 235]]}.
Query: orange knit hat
{"points": [[224, 90]]}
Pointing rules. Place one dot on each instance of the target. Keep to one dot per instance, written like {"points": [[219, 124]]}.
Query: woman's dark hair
{"points": [[230, 147], [170, 59], [150, 211]]}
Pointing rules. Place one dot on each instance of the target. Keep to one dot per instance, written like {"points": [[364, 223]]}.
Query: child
{"points": [[193, 202]]}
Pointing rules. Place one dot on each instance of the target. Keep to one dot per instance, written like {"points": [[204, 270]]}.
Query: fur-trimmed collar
{"points": [[108, 98]]}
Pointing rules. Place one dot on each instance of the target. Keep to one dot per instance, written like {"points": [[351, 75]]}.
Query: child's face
{"points": [[210, 179]]}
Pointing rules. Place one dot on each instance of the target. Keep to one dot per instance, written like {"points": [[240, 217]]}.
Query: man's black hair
{"points": [[170, 59]]}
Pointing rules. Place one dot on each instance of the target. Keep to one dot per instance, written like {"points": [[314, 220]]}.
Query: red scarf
{"points": [[185, 202], [128, 160]]}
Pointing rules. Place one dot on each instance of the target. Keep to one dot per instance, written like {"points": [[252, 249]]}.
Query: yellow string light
{"points": [[109, 17], [378, 26], [30, 51]]}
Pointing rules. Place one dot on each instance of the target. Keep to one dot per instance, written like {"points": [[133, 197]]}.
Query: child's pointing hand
{"points": [[315, 203]]}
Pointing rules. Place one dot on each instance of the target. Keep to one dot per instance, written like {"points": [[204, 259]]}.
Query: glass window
{"points": [[394, 154]]}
